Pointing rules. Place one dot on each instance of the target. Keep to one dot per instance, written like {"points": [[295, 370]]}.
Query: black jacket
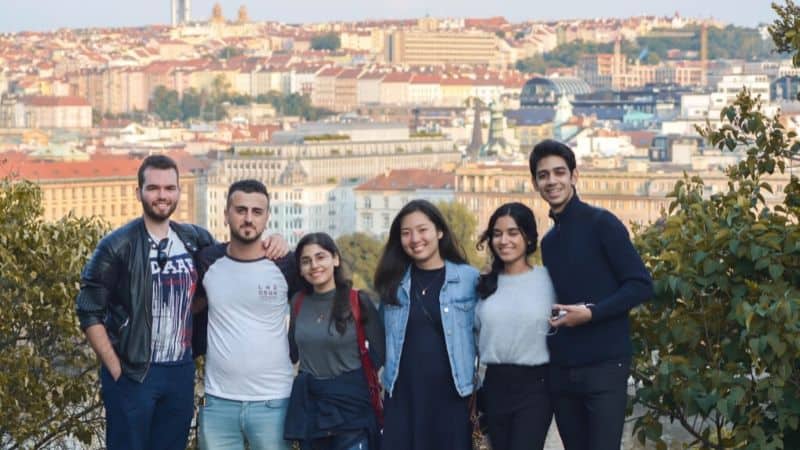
{"points": [[591, 260], [116, 290]]}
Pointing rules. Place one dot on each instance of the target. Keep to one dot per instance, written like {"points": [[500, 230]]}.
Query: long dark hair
{"points": [[526, 222], [340, 310], [394, 261]]}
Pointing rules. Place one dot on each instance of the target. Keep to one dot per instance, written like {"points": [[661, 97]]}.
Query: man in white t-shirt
{"points": [[248, 370]]}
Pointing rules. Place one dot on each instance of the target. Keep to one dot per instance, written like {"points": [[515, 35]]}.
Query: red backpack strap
{"points": [[298, 302], [366, 362]]}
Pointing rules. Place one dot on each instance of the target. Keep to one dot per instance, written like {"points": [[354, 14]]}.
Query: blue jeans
{"points": [[154, 414], [227, 424]]}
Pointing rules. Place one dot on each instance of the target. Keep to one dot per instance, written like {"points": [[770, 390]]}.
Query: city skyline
{"points": [[45, 15]]}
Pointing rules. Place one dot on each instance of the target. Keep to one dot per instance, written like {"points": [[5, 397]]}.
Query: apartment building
{"points": [[103, 187], [634, 197], [438, 48], [56, 112], [378, 200]]}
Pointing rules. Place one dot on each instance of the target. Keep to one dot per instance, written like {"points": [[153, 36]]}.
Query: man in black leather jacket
{"points": [[135, 306]]}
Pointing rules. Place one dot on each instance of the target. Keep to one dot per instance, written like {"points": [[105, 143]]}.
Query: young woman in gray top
{"points": [[335, 400], [512, 325]]}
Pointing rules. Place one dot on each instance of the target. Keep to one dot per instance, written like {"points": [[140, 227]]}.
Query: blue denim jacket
{"points": [[457, 301]]}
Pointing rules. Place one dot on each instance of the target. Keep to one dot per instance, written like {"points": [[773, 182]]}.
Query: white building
{"points": [[378, 200], [296, 206], [731, 85], [368, 88]]}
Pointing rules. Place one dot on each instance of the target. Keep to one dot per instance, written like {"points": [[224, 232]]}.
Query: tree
{"points": [[718, 346], [165, 104], [360, 252], [192, 103], [327, 41], [48, 374], [464, 225], [229, 52]]}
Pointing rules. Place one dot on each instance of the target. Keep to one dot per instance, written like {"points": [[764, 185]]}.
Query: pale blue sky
{"points": [[18, 15]]}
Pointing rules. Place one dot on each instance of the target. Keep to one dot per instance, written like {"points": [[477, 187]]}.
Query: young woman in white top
{"points": [[512, 325]]}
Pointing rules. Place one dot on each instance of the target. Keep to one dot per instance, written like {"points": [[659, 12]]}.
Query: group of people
{"points": [[294, 353]]}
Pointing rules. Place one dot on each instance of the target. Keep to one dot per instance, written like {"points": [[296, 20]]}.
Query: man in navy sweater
{"points": [[598, 277]]}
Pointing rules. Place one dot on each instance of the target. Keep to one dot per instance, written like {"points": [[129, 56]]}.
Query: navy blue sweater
{"points": [[591, 259]]}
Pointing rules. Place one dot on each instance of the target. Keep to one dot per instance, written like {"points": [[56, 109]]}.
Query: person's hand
{"points": [[576, 315], [275, 246], [116, 371]]}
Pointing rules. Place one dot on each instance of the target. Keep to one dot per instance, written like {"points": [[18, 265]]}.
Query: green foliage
{"points": [[166, 104], [48, 374], [293, 105], [718, 346], [785, 31], [463, 224], [229, 52], [729, 42], [327, 41], [360, 253], [192, 103]]}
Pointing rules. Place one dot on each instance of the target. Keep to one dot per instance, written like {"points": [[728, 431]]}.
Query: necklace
{"points": [[430, 284], [321, 317]]}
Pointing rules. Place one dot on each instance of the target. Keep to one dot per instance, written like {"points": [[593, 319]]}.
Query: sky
{"points": [[42, 15]]}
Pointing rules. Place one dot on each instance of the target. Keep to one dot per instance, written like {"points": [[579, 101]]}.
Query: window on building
{"points": [[367, 202]]}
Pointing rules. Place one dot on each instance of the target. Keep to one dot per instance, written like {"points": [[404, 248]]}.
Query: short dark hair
{"points": [[550, 147], [248, 187], [162, 162]]}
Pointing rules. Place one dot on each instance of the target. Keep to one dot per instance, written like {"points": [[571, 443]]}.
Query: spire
{"points": [[477, 135]]}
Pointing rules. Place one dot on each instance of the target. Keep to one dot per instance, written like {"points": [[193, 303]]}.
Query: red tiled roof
{"points": [[97, 167], [103, 167], [426, 79], [398, 77], [350, 73], [330, 72], [409, 180], [42, 100]]}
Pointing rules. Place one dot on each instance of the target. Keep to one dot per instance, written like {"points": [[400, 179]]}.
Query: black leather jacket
{"points": [[116, 290]]}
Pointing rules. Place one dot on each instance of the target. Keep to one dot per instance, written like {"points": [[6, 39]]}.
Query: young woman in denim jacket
{"points": [[428, 301]]}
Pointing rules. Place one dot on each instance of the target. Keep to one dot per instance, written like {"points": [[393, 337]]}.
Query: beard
{"points": [[238, 236], [155, 215]]}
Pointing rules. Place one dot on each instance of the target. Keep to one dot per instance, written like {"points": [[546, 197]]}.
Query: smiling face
{"points": [[317, 266], [419, 238], [159, 193], [555, 182], [247, 215], [509, 243]]}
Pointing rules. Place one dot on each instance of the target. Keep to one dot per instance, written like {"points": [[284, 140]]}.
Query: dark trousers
{"points": [[590, 404], [155, 414], [517, 405]]}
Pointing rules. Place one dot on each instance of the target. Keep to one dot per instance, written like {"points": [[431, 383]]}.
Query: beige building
{"points": [[634, 197], [346, 90], [103, 187], [324, 93], [437, 48]]}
